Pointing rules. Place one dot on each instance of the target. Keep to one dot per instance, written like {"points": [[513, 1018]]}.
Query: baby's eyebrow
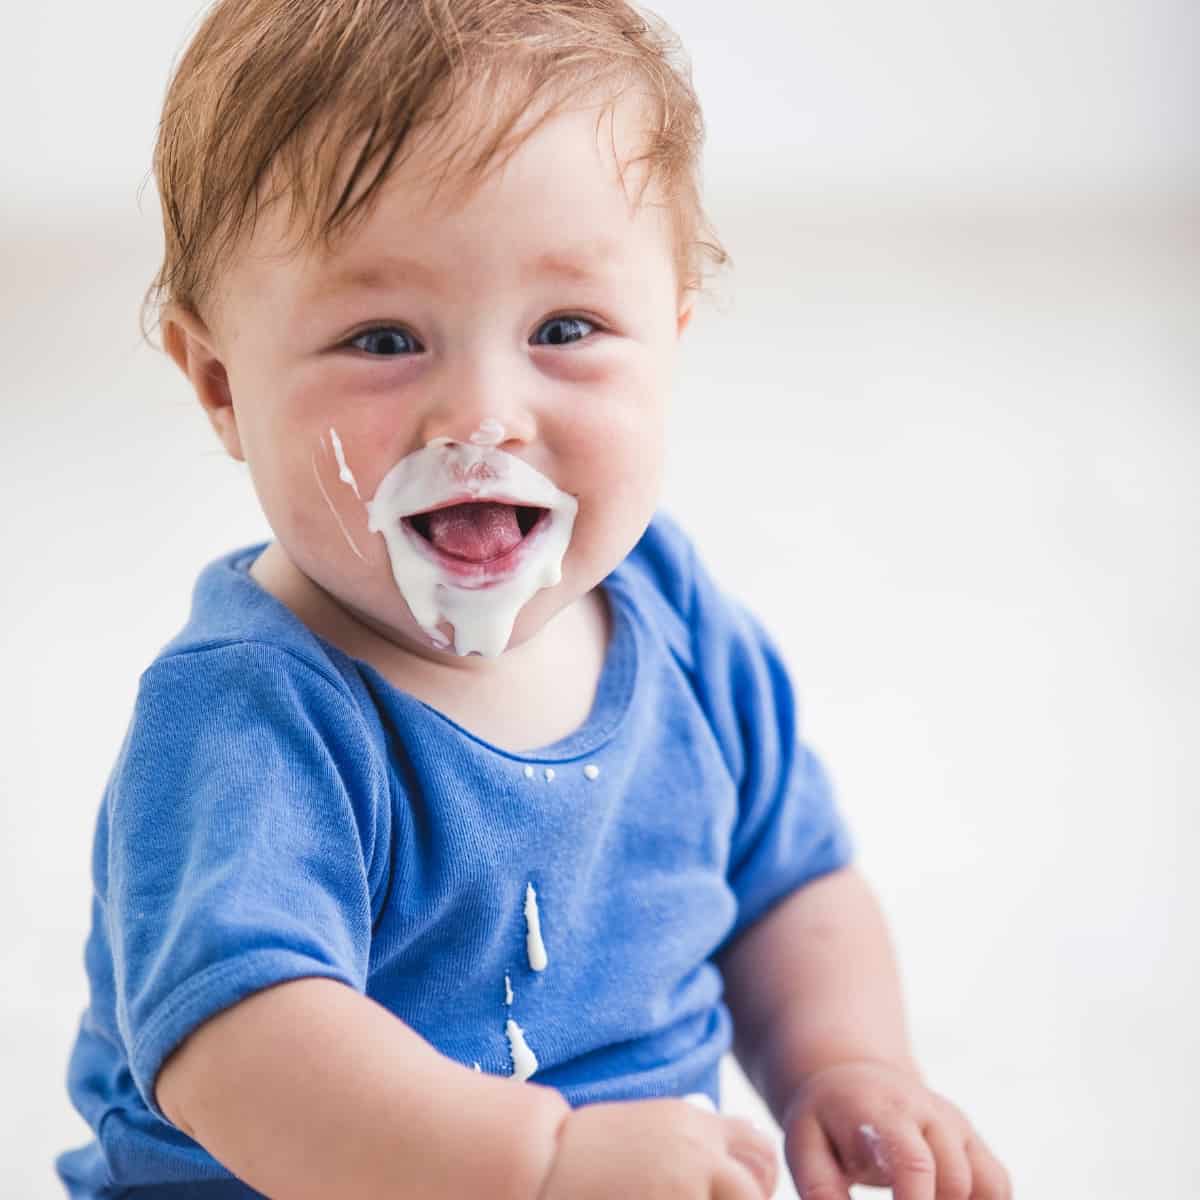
{"points": [[377, 274], [577, 265]]}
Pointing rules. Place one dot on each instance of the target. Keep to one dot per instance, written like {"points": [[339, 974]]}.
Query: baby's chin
{"points": [[532, 622], [389, 617], [370, 598]]}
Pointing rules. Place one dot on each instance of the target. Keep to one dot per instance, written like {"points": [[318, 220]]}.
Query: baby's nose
{"points": [[481, 407]]}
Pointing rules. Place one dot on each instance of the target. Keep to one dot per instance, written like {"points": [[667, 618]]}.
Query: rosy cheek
{"points": [[367, 381], [356, 435], [355, 389], [309, 526]]}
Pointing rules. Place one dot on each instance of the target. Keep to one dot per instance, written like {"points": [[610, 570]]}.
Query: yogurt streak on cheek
{"points": [[344, 472], [336, 515]]}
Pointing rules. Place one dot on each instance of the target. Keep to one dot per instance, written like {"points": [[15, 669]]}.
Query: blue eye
{"points": [[385, 342], [561, 330]]}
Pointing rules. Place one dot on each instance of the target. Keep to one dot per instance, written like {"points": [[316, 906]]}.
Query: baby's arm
{"points": [[814, 982], [816, 1001], [309, 1089]]}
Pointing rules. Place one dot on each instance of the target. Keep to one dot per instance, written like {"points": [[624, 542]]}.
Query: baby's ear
{"points": [[188, 341]]}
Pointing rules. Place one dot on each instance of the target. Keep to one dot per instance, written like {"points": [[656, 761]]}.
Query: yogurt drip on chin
{"points": [[482, 615]]}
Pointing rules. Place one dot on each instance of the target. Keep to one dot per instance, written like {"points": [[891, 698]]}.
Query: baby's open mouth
{"points": [[479, 531]]}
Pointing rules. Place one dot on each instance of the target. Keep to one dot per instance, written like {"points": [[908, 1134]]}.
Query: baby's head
{"points": [[427, 263]]}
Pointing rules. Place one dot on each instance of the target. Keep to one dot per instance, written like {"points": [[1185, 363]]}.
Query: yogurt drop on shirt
{"points": [[524, 1060], [538, 959]]}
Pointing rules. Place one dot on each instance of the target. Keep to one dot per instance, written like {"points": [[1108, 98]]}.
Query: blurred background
{"points": [[938, 425]]}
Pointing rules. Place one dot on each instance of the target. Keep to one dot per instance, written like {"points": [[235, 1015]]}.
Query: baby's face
{"points": [[434, 344]]}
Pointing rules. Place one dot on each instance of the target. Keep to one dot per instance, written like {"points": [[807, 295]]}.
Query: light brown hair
{"points": [[316, 101]]}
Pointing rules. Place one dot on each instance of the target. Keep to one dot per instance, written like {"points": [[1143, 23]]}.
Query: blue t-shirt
{"points": [[279, 810]]}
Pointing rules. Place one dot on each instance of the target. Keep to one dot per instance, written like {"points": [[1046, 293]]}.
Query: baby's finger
{"points": [[813, 1163], [910, 1163], [990, 1180], [740, 1180], [953, 1174], [754, 1150]]}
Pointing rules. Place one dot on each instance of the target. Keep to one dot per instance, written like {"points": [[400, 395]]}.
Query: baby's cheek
{"points": [[621, 488], [619, 371], [625, 398], [629, 435], [310, 497], [309, 519]]}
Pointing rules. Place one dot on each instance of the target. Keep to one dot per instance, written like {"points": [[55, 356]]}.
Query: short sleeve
{"points": [[247, 819], [788, 829]]}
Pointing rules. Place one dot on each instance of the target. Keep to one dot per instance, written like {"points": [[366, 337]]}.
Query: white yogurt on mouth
{"points": [[483, 609]]}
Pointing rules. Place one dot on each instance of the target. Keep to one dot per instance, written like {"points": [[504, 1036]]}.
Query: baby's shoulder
{"points": [[668, 579], [658, 577], [236, 631], [245, 689], [663, 560], [715, 636]]}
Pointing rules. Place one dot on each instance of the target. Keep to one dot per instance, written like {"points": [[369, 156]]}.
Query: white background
{"points": [[940, 428]]}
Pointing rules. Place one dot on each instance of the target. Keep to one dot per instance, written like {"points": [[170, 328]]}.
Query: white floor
{"points": [[951, 455]]}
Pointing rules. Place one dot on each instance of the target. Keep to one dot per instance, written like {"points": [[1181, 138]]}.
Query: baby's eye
{"points": [[386, 342], [560, 330]]}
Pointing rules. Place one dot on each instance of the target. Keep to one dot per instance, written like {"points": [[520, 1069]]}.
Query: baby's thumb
{"points": [[755, 1151]]}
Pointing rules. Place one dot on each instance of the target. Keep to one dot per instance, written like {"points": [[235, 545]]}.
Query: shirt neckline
{"points": [[613, 699], [614, 689]]}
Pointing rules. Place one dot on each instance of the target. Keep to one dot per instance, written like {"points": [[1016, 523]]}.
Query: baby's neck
{"points": [[528, 697]]}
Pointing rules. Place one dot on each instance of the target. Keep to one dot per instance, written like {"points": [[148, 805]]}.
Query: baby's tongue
{"points": [[476, 532]]}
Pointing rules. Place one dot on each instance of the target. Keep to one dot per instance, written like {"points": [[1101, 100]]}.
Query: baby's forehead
{"points": [[444, 162], [568, 194]]}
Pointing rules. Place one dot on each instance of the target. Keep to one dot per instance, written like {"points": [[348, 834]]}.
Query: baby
{"points": [[464, 826]]}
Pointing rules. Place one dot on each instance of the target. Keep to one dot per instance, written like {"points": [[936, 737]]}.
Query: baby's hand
{"points": [[667, 1149], [873, 1124]]}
